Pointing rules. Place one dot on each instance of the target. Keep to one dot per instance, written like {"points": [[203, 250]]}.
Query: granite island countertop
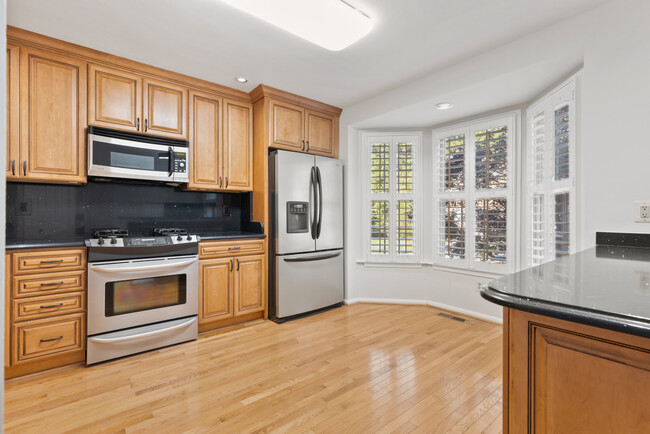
{"points": [[607, 286]]}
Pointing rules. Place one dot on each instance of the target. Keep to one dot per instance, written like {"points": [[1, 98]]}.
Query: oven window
{"points": [[133, 161], [128, 296]]}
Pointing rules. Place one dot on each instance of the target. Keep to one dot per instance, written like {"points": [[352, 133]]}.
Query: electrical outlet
{"points": [[642, 211]]}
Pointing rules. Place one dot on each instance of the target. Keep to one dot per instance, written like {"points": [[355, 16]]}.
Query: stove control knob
{"points": [[113, 240], [179, 238], [100, 241], [189, 238]]}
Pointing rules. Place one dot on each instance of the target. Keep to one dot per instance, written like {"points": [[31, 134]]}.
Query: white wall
{"points": [[612, 41], [3, 205]]}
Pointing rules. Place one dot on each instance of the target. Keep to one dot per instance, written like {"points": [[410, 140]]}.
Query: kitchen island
{"points": [[577, 340]]}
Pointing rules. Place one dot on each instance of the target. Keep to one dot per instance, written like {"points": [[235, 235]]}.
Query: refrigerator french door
{"points": [[307, 229]]}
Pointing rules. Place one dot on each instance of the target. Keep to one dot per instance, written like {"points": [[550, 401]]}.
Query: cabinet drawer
{"points": [[45, 261], [39, 307], [213, 249], [46, 337], [51, 283]]}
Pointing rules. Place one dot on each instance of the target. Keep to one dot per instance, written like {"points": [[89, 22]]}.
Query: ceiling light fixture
{"points": [[444, 106], [332, 24], [241, 79]]}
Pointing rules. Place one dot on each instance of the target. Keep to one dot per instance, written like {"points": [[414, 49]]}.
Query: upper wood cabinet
{"points": [[295, 123], [131, 102], [52, 118], [114, 98], [221, 143], [12, 163]]}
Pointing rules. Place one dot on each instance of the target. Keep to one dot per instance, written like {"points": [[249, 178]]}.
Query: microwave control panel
{"points": [[180, 162], [297, 217]]}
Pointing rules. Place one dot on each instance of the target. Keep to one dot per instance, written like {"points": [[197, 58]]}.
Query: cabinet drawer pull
{"points": [[226, 182], [137, 127], [53, 261], [237, 264], [307, 145], [25, 167], [220, 181], [53, 339], [234, 248], [231, 264], [52, 283], [13, 167], [146, 125], [303, 145], [51, 306]]}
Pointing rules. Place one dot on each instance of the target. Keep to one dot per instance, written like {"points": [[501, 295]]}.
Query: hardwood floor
{"points": [[359, 368]]}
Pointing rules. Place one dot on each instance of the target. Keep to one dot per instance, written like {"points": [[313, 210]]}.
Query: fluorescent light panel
{"points": [[332, 24]]}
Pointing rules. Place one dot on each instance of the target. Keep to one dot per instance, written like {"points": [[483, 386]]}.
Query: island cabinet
{"points": [[565, 377], [133, 102], [46, 116], [232, 282], [221, 138], [45, 296]]}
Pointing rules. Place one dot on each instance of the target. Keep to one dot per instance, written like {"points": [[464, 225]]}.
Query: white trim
{"points": [[470, 313]]}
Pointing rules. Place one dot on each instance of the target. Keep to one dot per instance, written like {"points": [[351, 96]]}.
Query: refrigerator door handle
{"points": [[320, 202], [313, 258], [312, 202]]}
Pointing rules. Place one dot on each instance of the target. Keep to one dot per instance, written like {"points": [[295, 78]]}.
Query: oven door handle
{"points": [[108, 269], [145, 334]]}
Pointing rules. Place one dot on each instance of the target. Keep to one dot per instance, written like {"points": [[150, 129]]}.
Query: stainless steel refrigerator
{"points": [[306, 208]]}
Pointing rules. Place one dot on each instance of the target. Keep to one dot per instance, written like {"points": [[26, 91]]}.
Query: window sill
{"points": [[370, 264], [436, 267]]}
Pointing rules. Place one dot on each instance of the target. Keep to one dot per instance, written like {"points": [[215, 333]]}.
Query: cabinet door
{"points": [[114, 98], [165, 109], [287, 129], [52, 117], [12, 163], [238, 145], [321, 134], [250, 284], [7, 324], [216, 283], [205, 142]]}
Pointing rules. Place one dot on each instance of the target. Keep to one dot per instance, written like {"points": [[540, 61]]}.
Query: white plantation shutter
{"points": [[392, 226], [551, 174], [474, 190]]}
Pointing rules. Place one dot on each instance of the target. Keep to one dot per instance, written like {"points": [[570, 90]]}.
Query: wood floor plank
{"points": [[359, 368]]}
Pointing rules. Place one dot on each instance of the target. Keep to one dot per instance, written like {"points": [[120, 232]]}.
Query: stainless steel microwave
{"points": [[119, 154]]}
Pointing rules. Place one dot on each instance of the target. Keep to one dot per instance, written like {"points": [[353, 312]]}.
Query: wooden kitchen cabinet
{"points": [[221, 144], [132, 102], [12, 163], [165, 109], [114, 98], [295, 123], [52, 118], [232, 282], [45, 296]]}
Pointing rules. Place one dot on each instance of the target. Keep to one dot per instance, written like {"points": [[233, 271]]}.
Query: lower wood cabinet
{"points": [[45, 296], [564, 377], [232, 285]]}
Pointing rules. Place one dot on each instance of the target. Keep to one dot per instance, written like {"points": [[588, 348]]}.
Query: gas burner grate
{"points": [[107, 233], [161, 232]]}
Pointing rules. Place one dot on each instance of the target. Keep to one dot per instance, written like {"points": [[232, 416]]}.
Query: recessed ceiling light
{"points": [[444, 106], [332, 24], [241, 79]]}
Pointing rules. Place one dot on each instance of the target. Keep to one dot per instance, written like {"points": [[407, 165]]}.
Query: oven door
{"points": [[123, 294], [117, 158]]}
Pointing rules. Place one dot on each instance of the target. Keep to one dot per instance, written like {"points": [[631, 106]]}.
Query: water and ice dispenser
{"points": [[297, 217]]}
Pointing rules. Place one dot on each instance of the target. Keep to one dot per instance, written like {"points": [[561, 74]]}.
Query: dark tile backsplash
{"points": [[65, 212]]}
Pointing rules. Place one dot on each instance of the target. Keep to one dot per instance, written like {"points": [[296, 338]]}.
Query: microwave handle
{"points": [[108, 269], [171, 161]]}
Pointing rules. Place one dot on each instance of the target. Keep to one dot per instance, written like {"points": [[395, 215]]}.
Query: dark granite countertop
{"points": [[79, 242], [606, 286]]}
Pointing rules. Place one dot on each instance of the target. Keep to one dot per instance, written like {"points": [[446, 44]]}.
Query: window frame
{"points": [[367, 139], [549, 188], [470, 194]]}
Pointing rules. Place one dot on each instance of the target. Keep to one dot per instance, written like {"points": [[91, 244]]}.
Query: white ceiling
{"points": [[211, 40]]}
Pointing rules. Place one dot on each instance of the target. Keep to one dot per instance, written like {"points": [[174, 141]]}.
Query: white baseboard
{"points": [[467, 312]]}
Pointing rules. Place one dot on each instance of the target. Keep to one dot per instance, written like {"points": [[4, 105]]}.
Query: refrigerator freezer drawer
{"points": [[307, 282]]}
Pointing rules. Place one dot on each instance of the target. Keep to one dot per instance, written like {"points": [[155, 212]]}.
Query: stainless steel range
{"points": [[142, 291]]}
